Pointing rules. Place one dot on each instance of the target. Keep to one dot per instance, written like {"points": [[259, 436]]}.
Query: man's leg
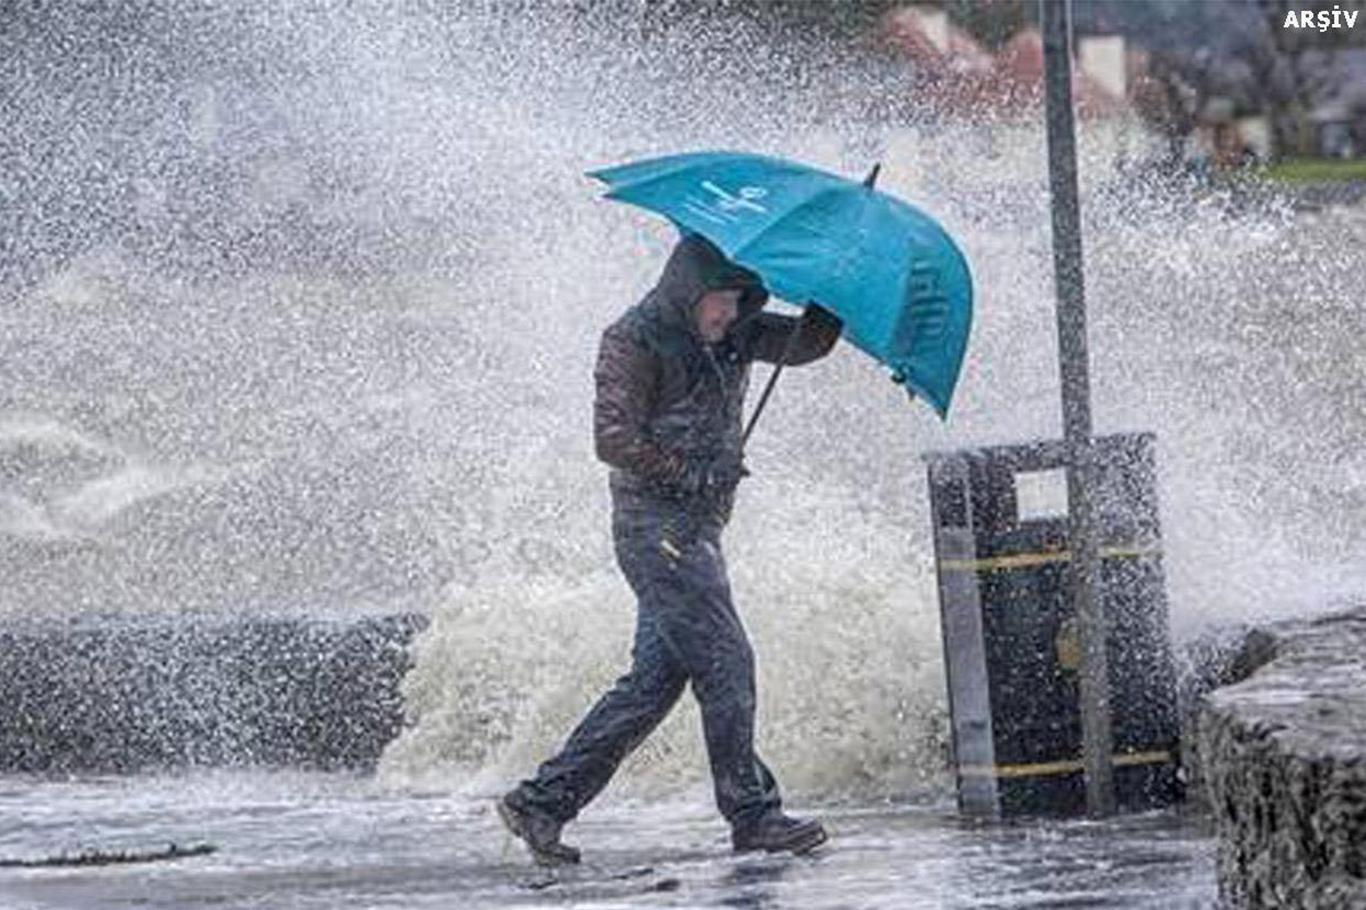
{"points": [[619, 722], [699, 620], [537, 809]]}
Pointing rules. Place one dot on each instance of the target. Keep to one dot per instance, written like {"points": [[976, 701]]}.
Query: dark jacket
{"points": [[664, 397]]}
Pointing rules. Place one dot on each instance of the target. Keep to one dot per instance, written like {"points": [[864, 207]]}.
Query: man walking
{"points": [[671, 379]]}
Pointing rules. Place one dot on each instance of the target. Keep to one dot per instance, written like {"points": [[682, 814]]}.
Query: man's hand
{"points": [[816, 318], [726, 470], [708, 476]]}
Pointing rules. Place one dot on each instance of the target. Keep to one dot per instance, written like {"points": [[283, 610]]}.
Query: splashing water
{"points": [[301, 308]]}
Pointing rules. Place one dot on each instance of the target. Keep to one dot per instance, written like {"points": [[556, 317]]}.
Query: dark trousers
{"points": [[687, 630]]}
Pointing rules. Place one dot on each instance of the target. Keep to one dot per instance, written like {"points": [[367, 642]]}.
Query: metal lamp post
{"points": [[1097, 736]]}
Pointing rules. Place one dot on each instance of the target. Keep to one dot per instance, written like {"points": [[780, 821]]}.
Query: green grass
{"points": [[1316, 170]]}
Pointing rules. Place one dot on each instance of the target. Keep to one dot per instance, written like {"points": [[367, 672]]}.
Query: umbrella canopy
{"points": [[888, 270]]}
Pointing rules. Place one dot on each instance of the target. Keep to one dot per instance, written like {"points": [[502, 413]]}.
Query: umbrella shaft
{"points": [[788, 348], [763, 399]]}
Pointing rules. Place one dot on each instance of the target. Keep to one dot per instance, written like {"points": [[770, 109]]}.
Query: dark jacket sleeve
{"points": [[769, 334], [626, 377]]}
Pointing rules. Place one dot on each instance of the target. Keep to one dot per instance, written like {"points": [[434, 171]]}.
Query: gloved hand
{"points": [[708, 476], [726, 470], [816, 318]]}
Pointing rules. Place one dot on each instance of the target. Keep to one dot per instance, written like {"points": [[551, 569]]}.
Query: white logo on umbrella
{"points": [[741, 199], [723, 207]]}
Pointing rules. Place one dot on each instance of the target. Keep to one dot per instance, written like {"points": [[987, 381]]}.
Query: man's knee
{"points": [[728, 676], [651, 687]]}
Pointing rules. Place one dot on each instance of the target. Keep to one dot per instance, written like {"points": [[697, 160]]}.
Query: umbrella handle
{"points": [[772, 381]]}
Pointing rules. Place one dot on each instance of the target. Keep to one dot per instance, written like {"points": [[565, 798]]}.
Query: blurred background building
{"points": [[1223, 82]]}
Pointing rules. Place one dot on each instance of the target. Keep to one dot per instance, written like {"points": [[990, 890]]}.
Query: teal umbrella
{"points": [[888, 270]]}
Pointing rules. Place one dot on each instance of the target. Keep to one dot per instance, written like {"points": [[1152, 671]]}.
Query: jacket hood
{"points": [[697, 266]]}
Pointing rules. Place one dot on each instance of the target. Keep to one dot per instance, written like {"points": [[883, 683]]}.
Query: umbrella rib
{"points": [[640, 181], [691, 161]]}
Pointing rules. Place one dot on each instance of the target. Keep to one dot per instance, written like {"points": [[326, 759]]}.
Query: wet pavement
{"points": [[296, 840]]}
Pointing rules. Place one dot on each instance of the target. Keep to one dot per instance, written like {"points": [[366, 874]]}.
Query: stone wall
{"points": [[1282, 755]]}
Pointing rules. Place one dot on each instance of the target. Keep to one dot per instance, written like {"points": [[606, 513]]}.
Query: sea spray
{"points": [[335, 275]]}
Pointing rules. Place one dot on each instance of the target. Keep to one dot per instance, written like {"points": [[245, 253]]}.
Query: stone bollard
{"points": [[1283, 756]]}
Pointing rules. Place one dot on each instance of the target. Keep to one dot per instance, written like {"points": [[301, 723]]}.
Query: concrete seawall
{"points": [[1277, 754], [126, 695], [1282, 762]]}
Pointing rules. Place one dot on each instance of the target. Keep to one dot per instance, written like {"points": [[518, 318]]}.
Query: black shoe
{"points": [[539, 831], [776, 832]]}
